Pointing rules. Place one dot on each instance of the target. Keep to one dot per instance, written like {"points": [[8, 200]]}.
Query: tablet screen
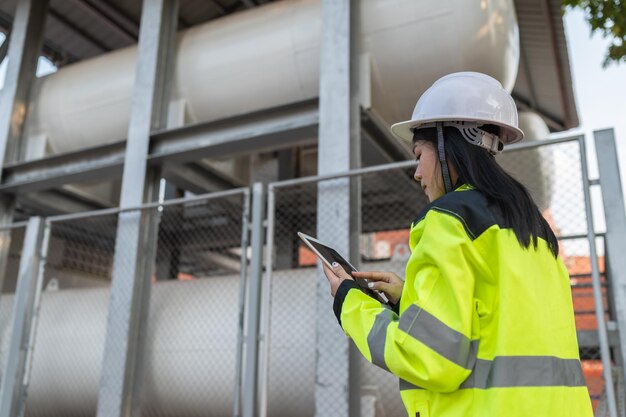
{"points": [[329, 255]]}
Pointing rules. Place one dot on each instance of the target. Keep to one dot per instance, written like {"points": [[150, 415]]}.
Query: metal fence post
{"points": [[120, 380], [250, 382], [597, 287], [337, 377], [12, 390], [243, 282], [24, 42], [613, 201]]}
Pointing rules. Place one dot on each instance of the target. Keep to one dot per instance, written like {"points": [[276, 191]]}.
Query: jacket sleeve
{"points": [[429, 344]]}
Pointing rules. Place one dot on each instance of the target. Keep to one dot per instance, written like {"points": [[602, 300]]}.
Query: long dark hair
{"points": [[477, 167]]}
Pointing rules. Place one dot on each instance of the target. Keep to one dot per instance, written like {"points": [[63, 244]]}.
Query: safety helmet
{"points": [[466, 101]]}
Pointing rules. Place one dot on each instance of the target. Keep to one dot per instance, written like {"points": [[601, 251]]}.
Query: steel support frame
{"points": [[25, 42], [250, 388], [121, 375], [613, 202], [13, 389], [337, 383], [281, 127], [24, 46], [286, 126]]}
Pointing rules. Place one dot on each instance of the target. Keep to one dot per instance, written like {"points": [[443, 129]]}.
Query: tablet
{"points": [[328, 255]]}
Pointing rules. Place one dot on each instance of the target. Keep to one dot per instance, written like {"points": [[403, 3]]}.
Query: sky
{"points": [[599, 91]]}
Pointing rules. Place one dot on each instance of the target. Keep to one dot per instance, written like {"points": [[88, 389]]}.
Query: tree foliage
{"points": [[609, 18]]}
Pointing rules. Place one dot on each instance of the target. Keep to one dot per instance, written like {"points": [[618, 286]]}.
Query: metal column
{"points": [[337, 386], [25, 42], [24, 45], [121, 376], [253, 305], [12, 388], [613, 200], [4, 48], [597, 289]]}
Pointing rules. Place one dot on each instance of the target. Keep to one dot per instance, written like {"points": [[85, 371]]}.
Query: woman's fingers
{"points": [[386, 282], [372, 276], [379, 286], [339, 271], [388, 277], [336, 275], [330, 274]]}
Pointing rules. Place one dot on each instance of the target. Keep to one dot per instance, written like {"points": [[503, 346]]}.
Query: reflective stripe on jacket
{"points": [[486, 327]]}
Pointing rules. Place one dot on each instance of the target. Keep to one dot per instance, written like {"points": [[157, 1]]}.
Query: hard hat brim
{"points": [[404, 130]]}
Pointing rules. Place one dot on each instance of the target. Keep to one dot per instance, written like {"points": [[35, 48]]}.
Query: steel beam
{"points": [[108, 21], [78, 31], [283, 127], [102, 162], [133, 264], [54, 202], [253, 305], [113, 13], [337, 383], [12, 393], [195, 178], [268, 129], [613, 200], [24, 46]]}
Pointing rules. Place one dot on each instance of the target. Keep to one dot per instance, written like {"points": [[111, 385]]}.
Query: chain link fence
{"points": [[192, 361], [196, 249], [291, 321], [11, 242], [554, 176], [68, 345], [389, 202]]}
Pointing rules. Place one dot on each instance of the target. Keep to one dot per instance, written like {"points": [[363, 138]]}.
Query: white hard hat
{"points": [[465, 100]]}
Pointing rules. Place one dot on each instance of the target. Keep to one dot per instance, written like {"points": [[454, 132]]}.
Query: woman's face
{"points": [[428, 171]]}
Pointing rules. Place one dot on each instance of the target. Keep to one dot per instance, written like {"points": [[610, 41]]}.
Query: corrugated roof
{"points": [[544, 81]]}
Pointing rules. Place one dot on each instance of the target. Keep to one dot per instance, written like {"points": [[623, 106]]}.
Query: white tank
{"points": [[190, 349], [269, 56], [532, 167]]}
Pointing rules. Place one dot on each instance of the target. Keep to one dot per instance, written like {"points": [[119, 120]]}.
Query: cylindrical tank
{"points": [[532, 166], [269, 56], [190, 351]]}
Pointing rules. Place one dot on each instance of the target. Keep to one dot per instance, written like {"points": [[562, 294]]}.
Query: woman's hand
{"points": [[335, 276], [387, 282]]}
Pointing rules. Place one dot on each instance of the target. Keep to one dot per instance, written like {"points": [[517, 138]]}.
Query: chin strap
{"points": [[441, 151]]}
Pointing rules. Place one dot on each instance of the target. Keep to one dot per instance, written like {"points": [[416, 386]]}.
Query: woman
{"points": [[483, 324]]}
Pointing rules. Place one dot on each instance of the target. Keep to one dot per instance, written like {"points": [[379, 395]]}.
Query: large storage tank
{"points": [[191, 351], [269, 56]]}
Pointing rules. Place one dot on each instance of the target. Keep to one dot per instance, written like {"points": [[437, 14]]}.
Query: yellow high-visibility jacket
{"points": [[485, 326]]}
